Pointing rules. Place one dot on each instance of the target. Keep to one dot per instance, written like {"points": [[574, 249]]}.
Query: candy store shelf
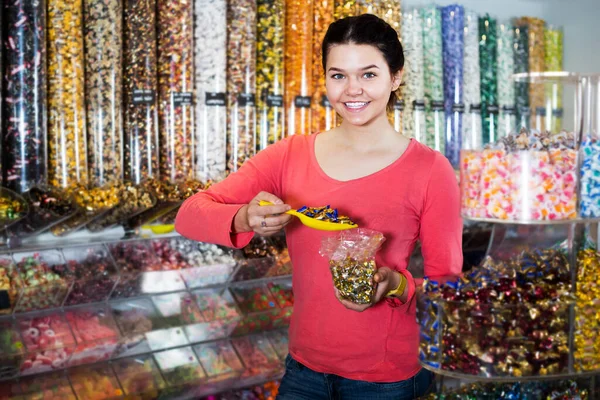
{"points": [[532, 222], [184, 372], [508, 379], [126, 327]]}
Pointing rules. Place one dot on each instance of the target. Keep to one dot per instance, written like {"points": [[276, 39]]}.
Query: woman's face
{"points": [[359, 82]]}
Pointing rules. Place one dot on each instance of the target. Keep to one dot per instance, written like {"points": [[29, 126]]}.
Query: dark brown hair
{"points": [[366, 29]]}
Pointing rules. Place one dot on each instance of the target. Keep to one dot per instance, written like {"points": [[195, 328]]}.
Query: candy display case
{"points": [[93, 273], [140, 377], [207, 264], [220, 313], [115, 317], [10, 285], [528, 176], [180, 366], [51, 386], [258, 355], [48, 342], [42, 287], [261, 311], [134, 319], [528, 311], [141, 270], [178, 314], [263, 257], [221, 363], [97, 382], [13, 208], [279, 340], [96, 333], [11, 350], [47, 207]]}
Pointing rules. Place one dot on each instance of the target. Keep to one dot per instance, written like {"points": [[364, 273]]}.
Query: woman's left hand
{"points": [[386, 279]]}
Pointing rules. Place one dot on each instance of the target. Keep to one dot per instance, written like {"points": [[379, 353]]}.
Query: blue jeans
{"points": [[302, 383]]}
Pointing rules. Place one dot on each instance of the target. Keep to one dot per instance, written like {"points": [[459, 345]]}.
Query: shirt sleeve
{"points": [[208, 216], [441, 228]]}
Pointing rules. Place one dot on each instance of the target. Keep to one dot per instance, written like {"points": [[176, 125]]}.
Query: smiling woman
{"points": [[384, 182]]}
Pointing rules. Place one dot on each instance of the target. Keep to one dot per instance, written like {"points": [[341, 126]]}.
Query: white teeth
{"points": [[355, 104]]}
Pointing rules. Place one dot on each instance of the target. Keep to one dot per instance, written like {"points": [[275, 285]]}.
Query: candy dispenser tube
{"points": [[175, 90], [471, 82], [489, 82], [270, 72], [536, 92], [453, 45], [67, 140], [241, 82], [553, 58], [506, 86], [521, 46], [324, 116], [433, 78], [413, 93], [24, 158], [210, 41], [103, 84], [298, 66], [140, 81]]}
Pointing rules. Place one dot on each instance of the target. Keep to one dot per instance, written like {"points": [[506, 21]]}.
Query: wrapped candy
{"points": [[587, 311], [521, 177], [352, 261], [506, 318], [590, 168]]}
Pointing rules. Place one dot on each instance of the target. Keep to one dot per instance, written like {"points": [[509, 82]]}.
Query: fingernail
{"points": [[288, 208]]}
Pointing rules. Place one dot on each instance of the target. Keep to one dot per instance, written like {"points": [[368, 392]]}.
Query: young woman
{"points": [[384, 182]]}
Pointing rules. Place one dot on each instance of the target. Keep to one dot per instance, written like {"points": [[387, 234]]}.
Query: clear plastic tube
{"points": [[210, 34], [24, 139], [103, 83], [298, 63], [241, 80], [434, 81], [413, 93], [269, 71], [67, 141], [175, 89], [140, 81], [324, 116]]}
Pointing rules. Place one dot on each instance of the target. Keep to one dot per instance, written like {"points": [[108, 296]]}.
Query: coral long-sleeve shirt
{"points": [[414, 198]]}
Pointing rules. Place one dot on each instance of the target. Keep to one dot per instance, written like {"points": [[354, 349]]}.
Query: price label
{"points": [[458, 107], [437, 105], [246, 100], [182, 99], [302, 101], [143, 96], [419, 105], [399, 105], [215, 99]]}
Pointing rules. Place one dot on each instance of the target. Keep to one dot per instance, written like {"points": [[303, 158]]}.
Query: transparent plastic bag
{"points": [[352, 261]]}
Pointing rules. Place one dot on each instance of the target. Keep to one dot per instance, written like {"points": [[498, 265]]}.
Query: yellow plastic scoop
{"points": [[315, 223]]}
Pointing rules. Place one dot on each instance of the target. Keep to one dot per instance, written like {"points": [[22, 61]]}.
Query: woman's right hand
{"points": [[264, 220]]}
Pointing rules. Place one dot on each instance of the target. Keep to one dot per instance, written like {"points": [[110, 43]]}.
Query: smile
{"points": [[356, 105]]}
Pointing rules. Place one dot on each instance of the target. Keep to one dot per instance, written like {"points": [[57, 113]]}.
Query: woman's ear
{"points": [[397, 80]]}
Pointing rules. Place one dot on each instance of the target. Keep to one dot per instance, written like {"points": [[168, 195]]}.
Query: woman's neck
{"points": [[369, 135]]}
